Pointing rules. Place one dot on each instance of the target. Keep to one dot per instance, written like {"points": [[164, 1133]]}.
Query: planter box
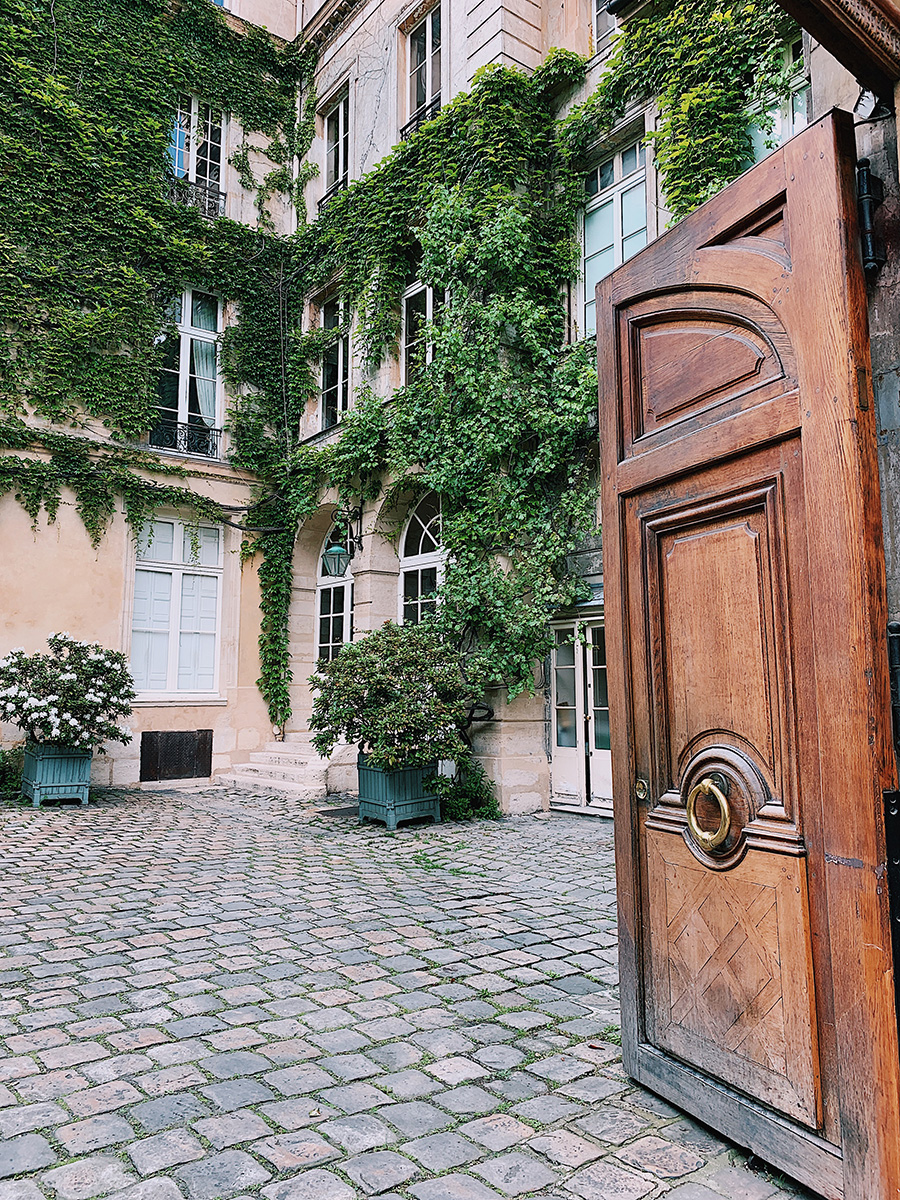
{"points": [[55, 773], [394, 796]]}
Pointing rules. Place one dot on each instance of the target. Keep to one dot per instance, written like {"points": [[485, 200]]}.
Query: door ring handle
{"points": [[708, 841]]}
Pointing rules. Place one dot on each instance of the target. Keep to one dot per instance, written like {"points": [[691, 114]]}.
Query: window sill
{"points": [[168, 700]]}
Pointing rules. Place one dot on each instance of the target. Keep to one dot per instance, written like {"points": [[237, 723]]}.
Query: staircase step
{"points": [[241, 779], [288, 759], [302, 775]]}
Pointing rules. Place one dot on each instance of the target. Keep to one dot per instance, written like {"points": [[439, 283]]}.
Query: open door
{"points": [[746, 617]]}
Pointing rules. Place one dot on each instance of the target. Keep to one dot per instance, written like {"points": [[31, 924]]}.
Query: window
{"points": [[420, 307], [789, 117], [177, 588], [195, 149], [564, 690], [421, 561], [599, 689], [615, 220], [334, 602], [336, 363], [337, 149], [604, 24], [424, 57], [187, 407]]}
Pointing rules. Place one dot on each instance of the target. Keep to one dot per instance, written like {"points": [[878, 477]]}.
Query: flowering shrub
{"points": [[72, 696], [398, 693]]}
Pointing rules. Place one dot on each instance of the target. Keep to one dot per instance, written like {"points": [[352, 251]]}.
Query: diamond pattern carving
{"points": [[724, 970]]}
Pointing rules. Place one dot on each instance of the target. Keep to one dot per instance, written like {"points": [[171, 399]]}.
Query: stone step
{"points": [[298, 773], [288, 758], [258, 783]]}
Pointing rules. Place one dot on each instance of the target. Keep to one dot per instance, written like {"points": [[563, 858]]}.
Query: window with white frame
{"points": [[335, 363], [177, 602], [781, 121], [604, 24], [337, 146], [424, 59], [615, 218], [188, 404], [421, 306], [421, 561], [334, 601], [195, 150]]}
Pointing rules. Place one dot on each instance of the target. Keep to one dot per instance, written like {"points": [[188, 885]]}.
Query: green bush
{"points": [[468, 795], [11, 761]]}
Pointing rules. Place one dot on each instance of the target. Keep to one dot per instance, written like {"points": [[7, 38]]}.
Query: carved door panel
{"points": [[745, 609]]}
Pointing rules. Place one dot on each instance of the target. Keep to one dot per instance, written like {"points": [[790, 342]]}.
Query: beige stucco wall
{"points": [[54, 580]]}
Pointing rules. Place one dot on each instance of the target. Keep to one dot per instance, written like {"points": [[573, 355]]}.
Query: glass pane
{"points": [[595, 268], [601, 729], [629, 159], [598, 642], [157, 541], [590, 184], [598, 228], [634, 210], [436, 28], [204, 311], [325, 602], [632, 244], [324, 631], [566, 727], [436, 75], [167, 395], [590, 319], [410, 614], [601, 694], [800, 109], [565, 648], [565, 687], [428, 581], [337, 600], [605, 174], [410, 585]]}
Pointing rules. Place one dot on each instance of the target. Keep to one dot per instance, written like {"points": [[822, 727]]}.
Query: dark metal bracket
{"points": [[869, 197]]}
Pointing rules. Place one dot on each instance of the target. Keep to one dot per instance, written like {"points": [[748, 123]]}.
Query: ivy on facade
{"points": [[481, 204]]}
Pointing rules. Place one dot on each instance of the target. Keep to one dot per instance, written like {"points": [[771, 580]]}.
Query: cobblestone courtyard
{"points": [[218, 994]]}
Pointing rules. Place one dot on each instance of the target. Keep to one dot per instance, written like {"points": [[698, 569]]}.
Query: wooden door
{"points": [[745, 617]]}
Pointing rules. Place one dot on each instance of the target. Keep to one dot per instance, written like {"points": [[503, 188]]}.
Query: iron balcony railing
{"points": [[186, 438], [332, 192], [209, 200], [426, 113]]}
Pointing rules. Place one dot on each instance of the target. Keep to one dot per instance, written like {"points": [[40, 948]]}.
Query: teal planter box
{"points": [[55, 773], [395, 796]]}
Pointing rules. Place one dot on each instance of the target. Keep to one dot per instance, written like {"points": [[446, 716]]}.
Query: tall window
{"points": [[336, 363], [334, 602], [424, 56], [604, 24], [615, 220], [187, 408], [177, 590], [195, 149], [337, 148], [421, 305], [421, 561], [792, 114]]}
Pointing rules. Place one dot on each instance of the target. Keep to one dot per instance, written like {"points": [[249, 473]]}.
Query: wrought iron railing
{"points": [[332, 192], [426, 113], [209, 200], [186, 438]]}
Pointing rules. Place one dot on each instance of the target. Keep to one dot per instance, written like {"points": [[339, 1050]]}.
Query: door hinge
{"points": [[869, 197]]}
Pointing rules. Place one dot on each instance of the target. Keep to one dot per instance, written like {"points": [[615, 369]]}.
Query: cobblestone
{"points": [[237, 997]]}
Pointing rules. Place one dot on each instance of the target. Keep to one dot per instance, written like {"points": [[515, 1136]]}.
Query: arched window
{"points": [[421, 561], [334, 599]]}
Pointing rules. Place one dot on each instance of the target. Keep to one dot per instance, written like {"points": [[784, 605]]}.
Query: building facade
{"points": [[187, 610]]}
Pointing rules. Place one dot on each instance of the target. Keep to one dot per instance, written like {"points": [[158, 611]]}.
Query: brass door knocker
{"points": [[708, 787]]}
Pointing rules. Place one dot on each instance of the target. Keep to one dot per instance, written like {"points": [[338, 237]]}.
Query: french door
{"points": [[580, 759]]}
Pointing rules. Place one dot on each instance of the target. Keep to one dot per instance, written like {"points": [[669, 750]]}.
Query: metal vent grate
{"points": [[178, 754]]}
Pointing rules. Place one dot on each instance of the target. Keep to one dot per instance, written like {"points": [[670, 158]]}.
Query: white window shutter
{"points": [[150, 630], [197, 640]]}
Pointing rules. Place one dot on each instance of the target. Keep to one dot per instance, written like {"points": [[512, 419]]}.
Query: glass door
{"points": [[580, 761]]}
